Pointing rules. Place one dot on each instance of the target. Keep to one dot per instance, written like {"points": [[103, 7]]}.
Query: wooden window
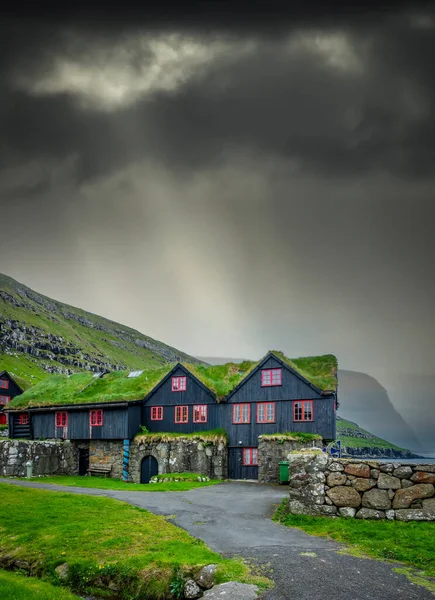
{"points": [[5, 399], [157, 413], [23, 419], [96, 418], [179, 384], [250, 457], [3, 419], [271, 377], [181, 414], [4, 384], [200, 413], [241, 413], [266, 412], [61, 419], [303, 410]]}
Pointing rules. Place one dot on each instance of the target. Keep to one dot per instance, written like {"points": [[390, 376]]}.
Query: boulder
{"points": [[347, 511], [423, 477], [362, 485], [336, 479], [388, 482], [232, 591], [403, 472], [344, 496], [205, 577], [358, 469], [191, 589], [369, 513], [415, 514], [377, 499], [404, 498]]}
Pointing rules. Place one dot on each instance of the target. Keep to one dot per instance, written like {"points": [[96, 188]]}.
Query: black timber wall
{"points": [[194, 394], [12, 391]]}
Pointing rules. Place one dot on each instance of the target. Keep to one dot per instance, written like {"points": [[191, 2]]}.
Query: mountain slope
{"points": [[39, 335]]}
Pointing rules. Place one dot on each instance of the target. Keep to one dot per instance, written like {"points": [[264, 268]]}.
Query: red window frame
{"points": [[4, 384], [156, 413], [302, 408], [181, 414], [239, 420], [200, 413], [3, 418], [61, 419], [23, 419], [179, 384], [96, 418], [267, 377], [250, 457], [265, 418], [4, 400]]}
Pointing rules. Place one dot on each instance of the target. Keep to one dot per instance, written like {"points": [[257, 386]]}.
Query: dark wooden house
{"points": [[9, 388]]}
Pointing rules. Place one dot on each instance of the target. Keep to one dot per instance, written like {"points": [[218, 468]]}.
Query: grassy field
{"points": [[14, 586], [103, 541], [410, 543], [108, 483]]}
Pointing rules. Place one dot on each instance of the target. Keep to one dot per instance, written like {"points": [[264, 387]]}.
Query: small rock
{"points": [[362, 485], [328, 501], [404, 498], [388, 482], [415, 514], [336, 466], [406, 483], [232, 591], [344, 496], [390, 515], [358, 469], [62, 571], [22, 564], [369, 513], [375, 473], [377, 499], [391, 494], [205, 577], [429, 504], [403, 472], [428, 468], [387, 468], [191, 589], [347, 511], [336, 479], [423, 477]]}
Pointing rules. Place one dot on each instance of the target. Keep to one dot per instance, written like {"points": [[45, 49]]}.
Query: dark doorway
{"points": [[236, 468], [83, 461], [148, 469]]}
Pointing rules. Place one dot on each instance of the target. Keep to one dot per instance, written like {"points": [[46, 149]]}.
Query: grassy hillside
{"points": [[352, 435], [40, 335]]}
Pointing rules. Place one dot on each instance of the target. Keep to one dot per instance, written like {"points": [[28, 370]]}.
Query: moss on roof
{"points": [[84, 388]]}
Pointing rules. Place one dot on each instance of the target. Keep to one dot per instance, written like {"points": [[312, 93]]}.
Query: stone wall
{"points": [[179, 455], [54, 457], [271, 451], [103, 453], [322, 485]]}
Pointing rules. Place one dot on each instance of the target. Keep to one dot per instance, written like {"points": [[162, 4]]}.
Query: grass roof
{"points": [[84, 388]]}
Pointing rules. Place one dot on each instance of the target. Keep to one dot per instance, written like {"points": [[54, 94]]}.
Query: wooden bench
{"points": [[100, 470]]}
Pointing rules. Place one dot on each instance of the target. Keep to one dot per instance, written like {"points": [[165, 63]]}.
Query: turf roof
{"points": [[84, 388]]}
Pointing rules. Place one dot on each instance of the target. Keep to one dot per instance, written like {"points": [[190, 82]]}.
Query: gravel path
{"points": [[234, 519]]}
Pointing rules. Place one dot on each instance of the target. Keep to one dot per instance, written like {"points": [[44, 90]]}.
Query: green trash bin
{"points": [[283, 472]]}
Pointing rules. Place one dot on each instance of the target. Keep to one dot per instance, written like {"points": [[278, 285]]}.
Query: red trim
{"points": [[61, 419], [302, 409], [23, 419], [156, 413], [3, 419], [200, 413], [179, 384], [4, 400], [265, 412], [269, 377], [240, 421], [4, 384], [96, 418], [181, 414], [250, 457]]}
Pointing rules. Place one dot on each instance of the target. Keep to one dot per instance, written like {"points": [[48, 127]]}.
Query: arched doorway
{"points": [[149, 467]]}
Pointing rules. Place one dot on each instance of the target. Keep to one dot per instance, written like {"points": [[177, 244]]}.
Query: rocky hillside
{"points": [[39, 335], [356, 441]]}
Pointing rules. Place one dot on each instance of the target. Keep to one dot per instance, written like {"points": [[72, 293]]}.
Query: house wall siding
{"points": [[115, 425]]}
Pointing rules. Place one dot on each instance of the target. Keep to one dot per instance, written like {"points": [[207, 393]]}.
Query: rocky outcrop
{"points": [[322, 485]]}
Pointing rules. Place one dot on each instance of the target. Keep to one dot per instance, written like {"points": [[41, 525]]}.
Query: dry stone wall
{"points": [[271, 451], [322, 485], [53, 457], [104, 453]]}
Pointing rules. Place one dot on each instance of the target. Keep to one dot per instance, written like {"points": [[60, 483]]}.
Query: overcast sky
{"points": [[229, 186]]}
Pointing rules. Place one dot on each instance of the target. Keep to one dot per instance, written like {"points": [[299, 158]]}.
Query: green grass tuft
{"points": [[15, 586], [212, 436]]}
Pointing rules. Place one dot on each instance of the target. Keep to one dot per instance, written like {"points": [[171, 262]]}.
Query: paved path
{"points": [[234, 519]]}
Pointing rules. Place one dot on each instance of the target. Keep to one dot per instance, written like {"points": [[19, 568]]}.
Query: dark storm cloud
{"points": [[280, 100]]}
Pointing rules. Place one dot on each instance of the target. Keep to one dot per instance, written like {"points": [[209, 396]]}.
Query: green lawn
{"points": [[103, 541], [19, 587], [410, 543], [108, 483]]}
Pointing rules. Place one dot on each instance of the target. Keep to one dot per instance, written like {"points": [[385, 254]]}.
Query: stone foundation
{"points": [[180, 455], [103, 453], [48, 457], [322, 485], [271, 451]]}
